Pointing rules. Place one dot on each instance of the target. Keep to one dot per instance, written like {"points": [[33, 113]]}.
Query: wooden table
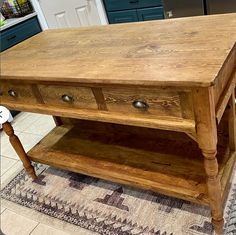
{"points": [[138, 103]]}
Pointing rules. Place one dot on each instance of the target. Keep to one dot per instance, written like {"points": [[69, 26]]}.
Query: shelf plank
{"points": [[166, 162]]}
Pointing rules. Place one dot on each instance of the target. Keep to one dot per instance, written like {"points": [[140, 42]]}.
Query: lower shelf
{"points": [[166, 162]]}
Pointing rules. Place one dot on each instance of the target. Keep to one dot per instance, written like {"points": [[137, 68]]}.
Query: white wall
{"points": [[43, 22]]}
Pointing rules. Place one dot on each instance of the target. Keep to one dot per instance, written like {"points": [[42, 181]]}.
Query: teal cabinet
{"points": [[155, 13], [122, 16], [17, 33], [117, 5], [122, 11]]}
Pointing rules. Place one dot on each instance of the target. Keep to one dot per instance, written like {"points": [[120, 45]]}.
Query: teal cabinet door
{"points": [[18, 33], [154, 13], [117, 5], [122, 16]]}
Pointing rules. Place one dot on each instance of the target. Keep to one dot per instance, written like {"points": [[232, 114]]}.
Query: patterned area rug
{"points": [[112, 209]]}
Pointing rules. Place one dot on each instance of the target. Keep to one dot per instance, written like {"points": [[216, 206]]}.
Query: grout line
{"points": [[11, 158], [29, 124], [9, 169], [16, 119], [26, 132], [28, 217], [52, 227], [25, 217], [3, 210], [5, 135], [34, 227]]}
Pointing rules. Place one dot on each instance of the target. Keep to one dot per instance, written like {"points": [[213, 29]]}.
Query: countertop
{"points": [[11, 22]]}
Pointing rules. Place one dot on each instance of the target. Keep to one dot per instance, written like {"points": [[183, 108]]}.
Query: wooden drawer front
{"points": [[114, 5], [19, 32], [82, 97], [122, 16], [17, 93], [160, 102]]}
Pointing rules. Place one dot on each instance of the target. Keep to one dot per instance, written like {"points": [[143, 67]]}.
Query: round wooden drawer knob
{"points": [[140, 104]]}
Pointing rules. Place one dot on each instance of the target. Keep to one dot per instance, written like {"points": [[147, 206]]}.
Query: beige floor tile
{"points": [[23, 120], [11, 173], [1, 134], [6, 164], [42, 126], [12, 224], [47, 220], [46, 230], [6, 148], [2, 209], [28, 141]]}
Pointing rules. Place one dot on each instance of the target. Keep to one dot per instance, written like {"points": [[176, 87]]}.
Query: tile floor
{"points": [[30, 128]]}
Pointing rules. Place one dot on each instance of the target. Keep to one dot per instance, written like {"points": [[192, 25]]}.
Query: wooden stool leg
{"points": [[214, 190], [16, 144]]}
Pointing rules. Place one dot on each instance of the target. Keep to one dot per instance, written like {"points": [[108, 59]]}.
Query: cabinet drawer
{"points": [[154, 13], [114, 5], [149, 103], [66, 96], [19, 32], [122, 16], [17, 93]]}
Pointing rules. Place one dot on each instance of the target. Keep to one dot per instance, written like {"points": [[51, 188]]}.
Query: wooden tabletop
{"points": [[175, 52]]}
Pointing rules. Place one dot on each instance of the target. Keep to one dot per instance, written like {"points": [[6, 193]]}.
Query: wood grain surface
{"points": [[160, 102], [175, 52], [82, 97], [133, 156], [24, 93], [166, 123]]}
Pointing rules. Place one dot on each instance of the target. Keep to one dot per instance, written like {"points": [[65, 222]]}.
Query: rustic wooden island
{"points": [[147, 104]]}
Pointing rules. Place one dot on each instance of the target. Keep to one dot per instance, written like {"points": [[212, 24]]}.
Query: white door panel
{"points": [[72, 13], [83, 16], [61, 20]]}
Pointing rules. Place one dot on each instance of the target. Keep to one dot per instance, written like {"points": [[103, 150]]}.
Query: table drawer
{"points": [[114, 5], [67, 96], [17, 93], [149, 103], [20, 32]]}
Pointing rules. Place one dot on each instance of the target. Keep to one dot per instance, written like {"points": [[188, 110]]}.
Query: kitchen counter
{"points": [[11, 22]]}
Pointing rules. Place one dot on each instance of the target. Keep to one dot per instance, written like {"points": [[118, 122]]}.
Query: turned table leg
{"points": [[214, 190], [16, 144], [204, 109]]}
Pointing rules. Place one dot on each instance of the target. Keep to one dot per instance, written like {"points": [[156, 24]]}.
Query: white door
{"points": [[70, 13]]}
